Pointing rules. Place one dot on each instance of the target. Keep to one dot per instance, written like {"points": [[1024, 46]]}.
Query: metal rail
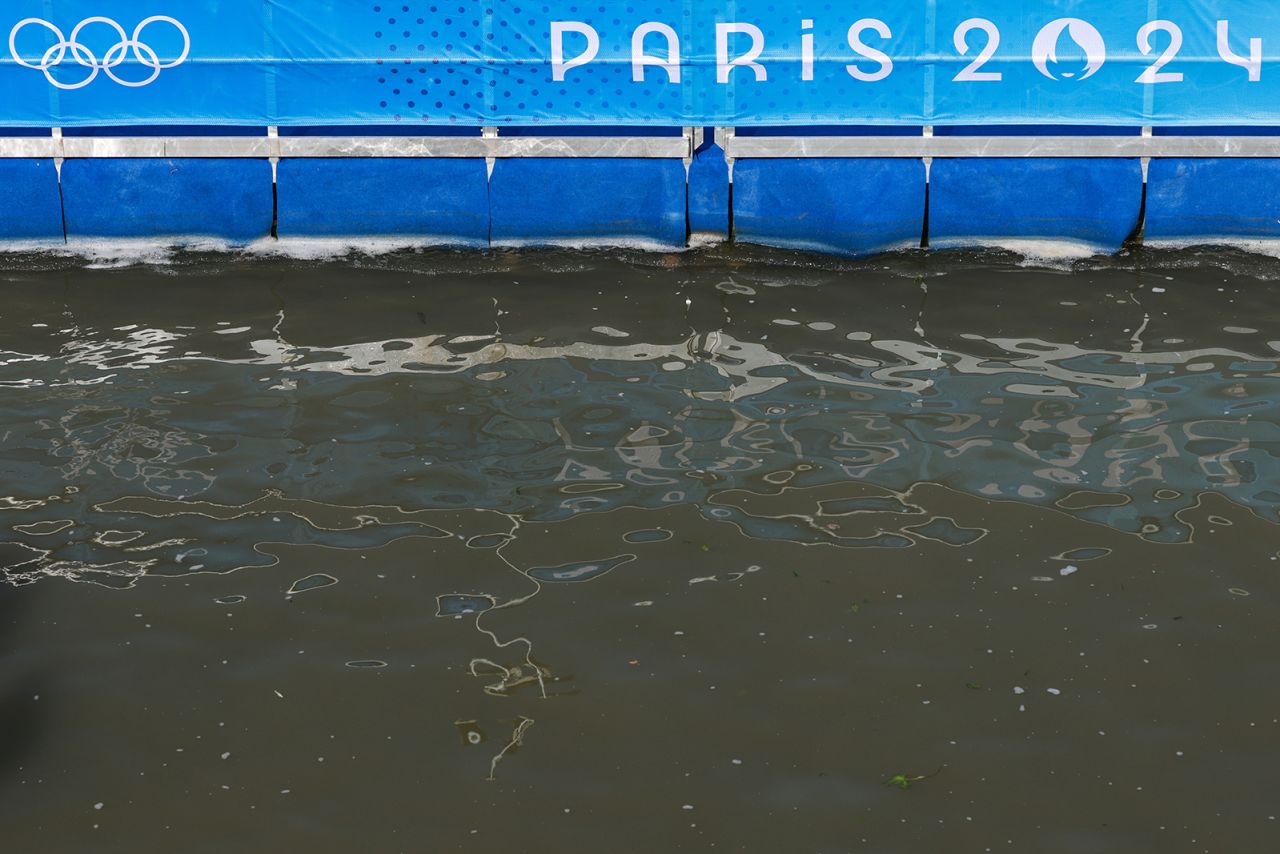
{"points": [[997, 146], [274, 146], [494, 145]]}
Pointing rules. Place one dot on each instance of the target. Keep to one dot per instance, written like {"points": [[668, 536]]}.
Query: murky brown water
{"points": [[568, 552]]}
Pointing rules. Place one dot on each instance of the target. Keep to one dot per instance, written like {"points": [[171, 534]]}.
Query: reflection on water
{"points": [[1116, 394], [491, 428]]}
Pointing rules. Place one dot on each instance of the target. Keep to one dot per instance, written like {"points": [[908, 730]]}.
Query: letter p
{"points": [[558, 64]]}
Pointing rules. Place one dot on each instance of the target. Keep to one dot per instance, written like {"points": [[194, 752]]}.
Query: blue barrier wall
{"points": [[228, 199], [974, 202], [546, 201], [1198, 201], [38, 216], [709, 192], [442, 200], [841, 205]]}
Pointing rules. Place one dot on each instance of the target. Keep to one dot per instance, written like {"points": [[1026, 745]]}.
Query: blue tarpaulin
{"points": [[670, 62]]}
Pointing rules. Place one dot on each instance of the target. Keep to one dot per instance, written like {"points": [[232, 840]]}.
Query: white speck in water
{"points": [[1018, 690], [645, 604], [1157, 290], [278, 694], [687, 807], [1054, 691], [1150, 626], [737, 761], [1068, 570], [99, 805], [226, 755]]}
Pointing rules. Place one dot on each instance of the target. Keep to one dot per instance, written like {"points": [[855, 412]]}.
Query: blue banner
{"points": [[660, 62]]}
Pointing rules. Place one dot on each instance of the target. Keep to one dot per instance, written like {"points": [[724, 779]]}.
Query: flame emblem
{"points": [[1044, 49]]}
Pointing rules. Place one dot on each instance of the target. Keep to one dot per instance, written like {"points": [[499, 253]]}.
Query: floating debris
{"points": [[517, 741]]}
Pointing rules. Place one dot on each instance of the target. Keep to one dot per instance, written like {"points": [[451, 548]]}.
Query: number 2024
{"points": [[1089, 39]]}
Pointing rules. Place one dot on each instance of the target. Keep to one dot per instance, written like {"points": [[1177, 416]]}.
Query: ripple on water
{"points": [[460, 604], [648, 535], [312, 582], [488, 541], [578, 571], [1083, 554], [943, 529]]}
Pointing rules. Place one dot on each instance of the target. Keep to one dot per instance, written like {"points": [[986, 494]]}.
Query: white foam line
{"points": [[323, 248], [1034, 250], [642, 244], [1268, 246]]}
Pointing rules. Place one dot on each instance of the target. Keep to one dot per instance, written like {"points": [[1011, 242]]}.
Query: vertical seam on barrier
{"points": [[924, 231], [1140, 231], [930, 83], [273, 117], [58, 151]]}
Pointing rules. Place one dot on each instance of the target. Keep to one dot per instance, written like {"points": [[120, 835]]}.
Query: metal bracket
{"points": [[725, 139], [489, 133]]}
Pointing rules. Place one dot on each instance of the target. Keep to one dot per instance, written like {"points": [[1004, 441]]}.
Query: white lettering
{"points": [[1253, 63], [724, 65], [1154, 74], [558, 64], [970, 73], [855, 41], [639, 59]]}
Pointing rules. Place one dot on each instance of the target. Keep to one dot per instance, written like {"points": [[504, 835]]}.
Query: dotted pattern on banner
{"points": [[488, 62]]}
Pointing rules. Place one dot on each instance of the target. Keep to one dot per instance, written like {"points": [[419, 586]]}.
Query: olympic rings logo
{"points": [[112, 59]]}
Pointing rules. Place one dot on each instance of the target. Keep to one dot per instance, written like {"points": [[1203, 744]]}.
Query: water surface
{"points": [[572, 551]]}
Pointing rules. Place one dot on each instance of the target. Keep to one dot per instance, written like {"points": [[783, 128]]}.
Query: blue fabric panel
{"points": [[34, 211], [552, 200], [1227, 197], [849, 206], [229, 199], [445, 199], [420, 63], [1097, 201], [709, 192]]}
